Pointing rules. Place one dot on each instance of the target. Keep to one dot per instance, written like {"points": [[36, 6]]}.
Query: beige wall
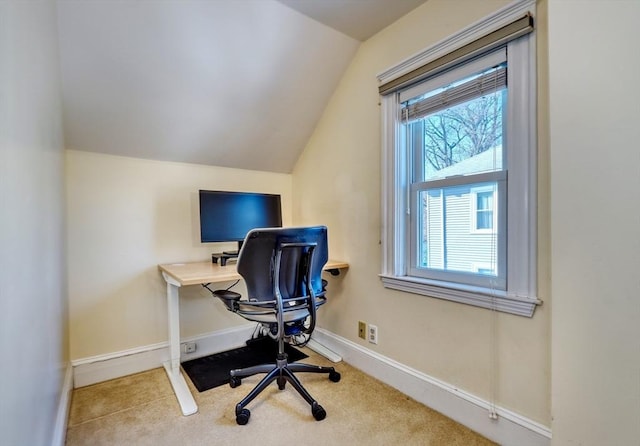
{"points": [[594, 67], [124, 217], [33, 304], [337, 182]]}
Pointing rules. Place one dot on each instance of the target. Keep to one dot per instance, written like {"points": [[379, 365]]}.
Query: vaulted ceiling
{"points": [[221, 82]]}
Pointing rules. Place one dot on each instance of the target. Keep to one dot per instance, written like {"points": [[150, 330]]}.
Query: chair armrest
{"points": [[230, 298]]}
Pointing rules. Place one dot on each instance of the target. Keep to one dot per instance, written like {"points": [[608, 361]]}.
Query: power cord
{"points": [[206, 285]]}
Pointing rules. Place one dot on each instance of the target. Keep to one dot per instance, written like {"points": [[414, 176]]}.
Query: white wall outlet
{"points": [[188, 347], [373, 334]]}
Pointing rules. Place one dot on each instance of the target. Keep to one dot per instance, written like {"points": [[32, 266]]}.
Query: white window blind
{"points": [[481, 85]]}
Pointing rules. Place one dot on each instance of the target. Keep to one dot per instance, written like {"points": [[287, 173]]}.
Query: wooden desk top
{"points": [[197, 273]]}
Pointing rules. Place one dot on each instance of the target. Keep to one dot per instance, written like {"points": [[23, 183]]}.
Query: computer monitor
{"points": [[229, 216]]}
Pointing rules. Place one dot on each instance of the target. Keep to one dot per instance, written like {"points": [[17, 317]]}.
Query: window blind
{"points": [[494, 39], [481, 85]]}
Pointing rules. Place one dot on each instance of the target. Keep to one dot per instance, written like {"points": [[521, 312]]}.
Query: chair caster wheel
{"points": [[318, 412], [234, 382], [242, 418], [281, 382], [334, 376]]}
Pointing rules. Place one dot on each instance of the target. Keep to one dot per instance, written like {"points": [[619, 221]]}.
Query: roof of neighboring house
{"points": [[487, 161]]}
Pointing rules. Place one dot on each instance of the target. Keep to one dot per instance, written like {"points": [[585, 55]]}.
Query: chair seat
{"points": [[270, 318]]}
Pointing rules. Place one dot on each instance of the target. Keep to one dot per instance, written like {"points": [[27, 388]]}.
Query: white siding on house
{"points": [[459, 248]]}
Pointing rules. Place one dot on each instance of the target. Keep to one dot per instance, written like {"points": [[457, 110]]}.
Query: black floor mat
{"points": [[213, 371]]}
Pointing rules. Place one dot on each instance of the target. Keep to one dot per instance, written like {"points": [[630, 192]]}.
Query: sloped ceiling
{"points": [[359, 19], [221, 82]]}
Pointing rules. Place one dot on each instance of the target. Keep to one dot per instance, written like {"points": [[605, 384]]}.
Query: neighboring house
{"points": [[469, 214]]}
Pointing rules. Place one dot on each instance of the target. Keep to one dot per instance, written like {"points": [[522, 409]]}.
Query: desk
{"points": [[183, 274]]}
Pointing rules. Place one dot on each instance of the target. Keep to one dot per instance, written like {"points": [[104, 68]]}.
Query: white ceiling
{"points": [[220, 82], [359, 19]]}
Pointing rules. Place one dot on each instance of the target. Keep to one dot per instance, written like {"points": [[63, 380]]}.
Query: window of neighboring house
{"points": [[459, 164], [483, 211]]}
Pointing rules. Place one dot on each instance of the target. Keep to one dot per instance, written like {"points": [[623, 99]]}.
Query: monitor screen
{"points": [[229, 216]]}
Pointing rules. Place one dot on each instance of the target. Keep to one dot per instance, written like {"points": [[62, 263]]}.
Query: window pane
{"points": [[444, 239], [464, 139], [484, 210], [484, 220]]}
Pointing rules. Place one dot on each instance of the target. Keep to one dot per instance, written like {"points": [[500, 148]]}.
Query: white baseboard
{"points": [[508, 429], [95, 369], [60, 429]]}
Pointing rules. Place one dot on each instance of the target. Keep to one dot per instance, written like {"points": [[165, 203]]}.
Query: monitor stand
{"points": [[226, 255], [223, 257]]}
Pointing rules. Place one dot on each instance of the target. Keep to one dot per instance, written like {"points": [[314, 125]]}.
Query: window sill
{"points": [[476, 296]]}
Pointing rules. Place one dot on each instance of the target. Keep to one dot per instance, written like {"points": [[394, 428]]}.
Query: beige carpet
{"points": [[141, 409]]}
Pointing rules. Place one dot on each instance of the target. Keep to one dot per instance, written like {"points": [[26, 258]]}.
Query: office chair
{"points": [[282, 270]]}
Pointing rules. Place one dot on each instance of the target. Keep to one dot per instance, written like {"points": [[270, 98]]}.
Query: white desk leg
{"points": [[172, 367]]}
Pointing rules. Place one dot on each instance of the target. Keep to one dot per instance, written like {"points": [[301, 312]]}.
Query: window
{"points": [[459, 167], [483, 210]]}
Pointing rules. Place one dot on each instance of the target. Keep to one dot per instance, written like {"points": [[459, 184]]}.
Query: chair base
{"points": [[281, 372]]}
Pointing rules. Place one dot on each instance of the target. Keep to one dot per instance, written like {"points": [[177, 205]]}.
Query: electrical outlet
{"points": [[188, 347], [373, 334], [362, 330]]}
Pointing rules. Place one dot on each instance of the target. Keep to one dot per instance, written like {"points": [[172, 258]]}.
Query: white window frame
{"points": [[520, 295]]}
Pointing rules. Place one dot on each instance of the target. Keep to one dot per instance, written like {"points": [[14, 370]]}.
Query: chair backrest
{"points": [[258, 256]]}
